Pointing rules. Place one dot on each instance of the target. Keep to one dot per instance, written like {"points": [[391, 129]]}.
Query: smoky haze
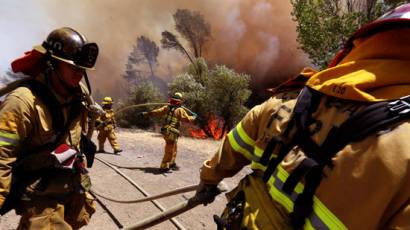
{"points": [[257, 37]]}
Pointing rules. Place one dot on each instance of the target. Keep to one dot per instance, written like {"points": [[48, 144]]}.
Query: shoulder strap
{"points": [[170, 114], [60, 127], [49, 99], [372, 118], [306, 104]]}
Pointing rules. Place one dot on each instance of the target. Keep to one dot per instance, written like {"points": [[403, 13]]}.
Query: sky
{"points": [[257, 37]]}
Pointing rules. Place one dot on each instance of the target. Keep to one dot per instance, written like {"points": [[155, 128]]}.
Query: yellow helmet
{"points": [[177, 96], [107, 101]]}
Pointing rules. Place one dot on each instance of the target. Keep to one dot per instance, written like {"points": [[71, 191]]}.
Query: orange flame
{"points": [[215, 126], [197, 133]]}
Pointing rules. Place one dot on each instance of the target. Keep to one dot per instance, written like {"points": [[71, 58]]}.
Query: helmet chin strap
{"points": [[87, 82], [51, 68]]}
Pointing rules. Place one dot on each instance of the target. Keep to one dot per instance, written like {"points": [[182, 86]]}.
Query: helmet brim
{"points": [[369, 30], [43, 50], [378, 26], [398, 18]]}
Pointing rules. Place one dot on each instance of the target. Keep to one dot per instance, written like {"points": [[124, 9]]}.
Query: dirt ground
{"points": [[144, 150]]}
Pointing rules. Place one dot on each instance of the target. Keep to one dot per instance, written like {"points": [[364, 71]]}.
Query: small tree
{"points": [[325, 25], [192, 26], [144, 92], [142, 62], [149, 50], [221, 92], [195, 97], [199, 70], [228, 91], [170, 41]]}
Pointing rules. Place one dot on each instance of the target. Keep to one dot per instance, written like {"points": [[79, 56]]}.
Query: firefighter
{"points": [[42, 122], [335, 155], [106, 125], [173, 115]]}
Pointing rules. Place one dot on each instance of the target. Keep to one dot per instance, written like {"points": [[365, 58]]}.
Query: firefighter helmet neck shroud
{"points": [[394, 19], [69, 46]]}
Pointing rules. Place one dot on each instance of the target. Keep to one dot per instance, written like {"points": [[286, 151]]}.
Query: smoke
{"points": [[257, 37], [263, 45]]}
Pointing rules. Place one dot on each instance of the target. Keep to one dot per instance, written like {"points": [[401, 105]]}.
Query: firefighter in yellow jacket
{"points": [[335, 155], [174, 114], [42, 174], [106, 125]]}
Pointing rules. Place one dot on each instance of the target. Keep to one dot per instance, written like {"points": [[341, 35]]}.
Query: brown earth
{"points": [[144, 150]]}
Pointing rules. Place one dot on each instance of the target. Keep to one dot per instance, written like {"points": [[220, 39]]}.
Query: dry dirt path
{"points": [[144, 150]]}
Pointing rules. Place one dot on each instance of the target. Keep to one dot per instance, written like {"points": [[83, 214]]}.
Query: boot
{"points": [[174, 166], [117, 151], [164, 167], [164, 170]]}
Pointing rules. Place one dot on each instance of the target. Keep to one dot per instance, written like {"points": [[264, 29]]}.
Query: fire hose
{"points": [[201, 198], [197, 199], [149, 104], [184, 189], [138, 105], [13, 85]]}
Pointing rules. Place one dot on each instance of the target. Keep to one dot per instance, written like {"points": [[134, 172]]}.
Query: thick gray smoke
{"points": [[253, 36]]}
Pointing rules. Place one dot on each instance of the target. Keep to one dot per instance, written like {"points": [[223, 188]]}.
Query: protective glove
{"points": [[65, 156], [208, 192], [97, 109]]}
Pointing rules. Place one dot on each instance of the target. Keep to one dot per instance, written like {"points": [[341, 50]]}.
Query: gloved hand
{"points": [[65, 156], [195, 116], [97, 109], [208, 192]]}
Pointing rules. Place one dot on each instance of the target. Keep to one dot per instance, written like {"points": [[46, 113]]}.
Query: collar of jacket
{"points": [[376, 69]]}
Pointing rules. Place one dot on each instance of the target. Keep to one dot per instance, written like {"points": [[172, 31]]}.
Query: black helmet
{"points": [[68, 45]]}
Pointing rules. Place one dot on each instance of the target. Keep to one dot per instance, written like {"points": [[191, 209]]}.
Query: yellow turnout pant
{"points": [[170, 152], [109, 134], [48, 214]]}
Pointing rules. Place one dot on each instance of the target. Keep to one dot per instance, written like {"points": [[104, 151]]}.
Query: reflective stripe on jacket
{"points": [[26, 124], [368, 188], [172, 117], [107, 119]]}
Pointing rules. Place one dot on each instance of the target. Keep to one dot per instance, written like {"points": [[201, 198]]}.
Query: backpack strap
{"points": [[307, 103], [170, 117], [61, 129], [60, 126], [48, 98], [372, 118]]}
